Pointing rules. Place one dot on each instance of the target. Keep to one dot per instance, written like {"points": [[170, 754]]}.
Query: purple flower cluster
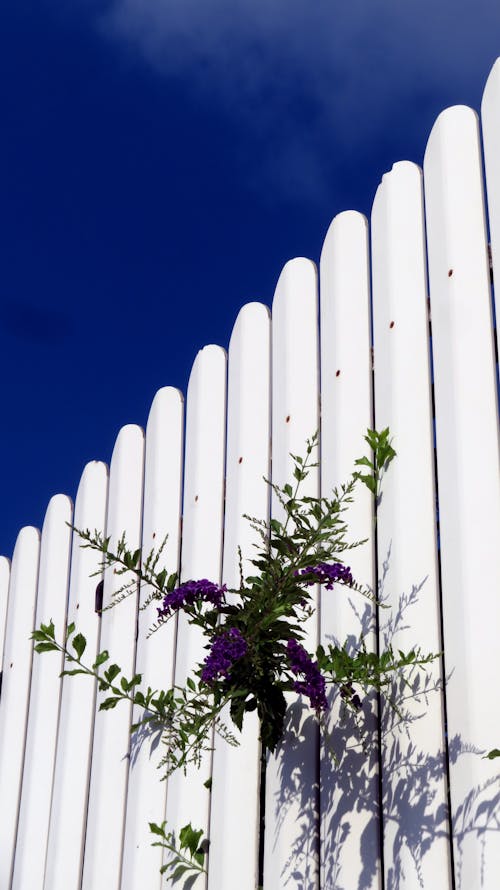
{"points": [[226, 649], [186, 594], [314, 683], [327, 574]]}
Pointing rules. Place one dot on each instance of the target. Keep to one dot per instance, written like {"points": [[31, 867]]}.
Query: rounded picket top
{"points": [[125, 484], [350, 226], [248, 433], [204, 463], [209, 362], [494, 75], [167, 399], [130, 438], [250, 313], [59, 509], [163, 473], [296, 283], [94, 477], [24, 568], [458, 124]]}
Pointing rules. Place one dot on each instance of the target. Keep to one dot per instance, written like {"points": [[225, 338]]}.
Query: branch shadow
{"points": [[380, 781]]}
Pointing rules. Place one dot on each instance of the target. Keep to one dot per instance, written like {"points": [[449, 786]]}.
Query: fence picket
{"points": [[292, 792], [146, 799], [349, 785], [413, 758], [236, 771], [468, 481], [110, 756], [490, 117], [66, 835], [201, 553], [4, 592], [14, 702], [41, 733]]}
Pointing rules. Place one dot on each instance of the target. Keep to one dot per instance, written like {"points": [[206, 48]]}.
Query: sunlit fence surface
{"points": [[395, 328]]}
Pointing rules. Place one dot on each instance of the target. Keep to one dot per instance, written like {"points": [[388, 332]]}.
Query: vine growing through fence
{"points": [[254, 635]]}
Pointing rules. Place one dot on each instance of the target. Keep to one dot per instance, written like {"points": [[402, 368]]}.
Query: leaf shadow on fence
{"points": [[371, 760], [147, 736]]}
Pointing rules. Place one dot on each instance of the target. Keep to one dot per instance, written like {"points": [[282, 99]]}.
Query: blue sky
{"points": [[160, 161]]}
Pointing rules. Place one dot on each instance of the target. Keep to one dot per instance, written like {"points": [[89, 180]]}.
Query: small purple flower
{"points": [[186, 594], [313, 685], [327, 574], [227, 647]]}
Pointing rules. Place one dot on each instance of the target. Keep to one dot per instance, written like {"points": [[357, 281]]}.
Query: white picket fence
{"points": [[75, 795]]}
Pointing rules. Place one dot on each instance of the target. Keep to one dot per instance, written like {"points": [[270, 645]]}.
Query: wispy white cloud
{"points": [[351, 68]]}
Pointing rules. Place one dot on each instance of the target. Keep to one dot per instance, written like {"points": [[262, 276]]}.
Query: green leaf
{"points": [[369, 481], [491, 755], [112, 672], [79, 644], [109, 704], [161, 578], [189, 838], [46, 647], [70, 629], [48, 629], [364, 462], [101, 658], [72, 673]]}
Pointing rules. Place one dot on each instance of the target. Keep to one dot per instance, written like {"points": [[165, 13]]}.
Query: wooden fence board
{"points": [[201, 553], [41, 733], [416, 825], [468, 482], [292, 792], [146, 799], [350, 829], [110, 757], [236, 771], [490, 118], [14, 702], [66, 836], [4, 593]]}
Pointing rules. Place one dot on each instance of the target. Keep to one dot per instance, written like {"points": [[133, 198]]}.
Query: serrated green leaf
{"points": [[108, 704], [112, 672], [79, 644]]}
